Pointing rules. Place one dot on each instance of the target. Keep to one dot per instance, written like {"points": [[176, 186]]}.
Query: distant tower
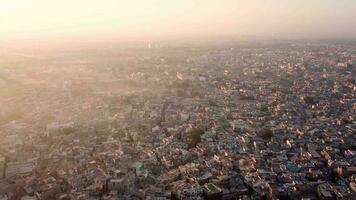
{"points": [[163, 111], [2, 166]]}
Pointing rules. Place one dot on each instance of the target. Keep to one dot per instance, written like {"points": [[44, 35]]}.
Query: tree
{"points": [[266, 134], [195, 136], [212, 102], [309, 100]]}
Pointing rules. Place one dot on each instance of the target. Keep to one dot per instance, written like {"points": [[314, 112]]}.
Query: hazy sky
{"points": [[177, 18]]}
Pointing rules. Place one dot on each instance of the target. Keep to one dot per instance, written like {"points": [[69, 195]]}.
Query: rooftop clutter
{"points": [[274, 121]]}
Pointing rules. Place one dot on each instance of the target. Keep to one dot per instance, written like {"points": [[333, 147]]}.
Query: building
{"points": [[18, 168], [212, 192]]}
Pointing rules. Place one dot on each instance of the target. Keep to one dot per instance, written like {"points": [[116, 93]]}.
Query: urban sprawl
{"points": [[271, 120]]}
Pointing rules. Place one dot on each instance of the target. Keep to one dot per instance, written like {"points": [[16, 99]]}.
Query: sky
{"points": [[144, 19]]}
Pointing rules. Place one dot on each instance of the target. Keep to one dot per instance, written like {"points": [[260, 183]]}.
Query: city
{"points": [[267, 120]]}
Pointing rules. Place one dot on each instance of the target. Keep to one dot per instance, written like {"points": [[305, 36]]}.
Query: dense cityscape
{"points": [[246, 120]]}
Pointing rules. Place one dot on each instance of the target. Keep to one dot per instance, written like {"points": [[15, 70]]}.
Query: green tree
{"points": [[195, 136], [266, 134]]}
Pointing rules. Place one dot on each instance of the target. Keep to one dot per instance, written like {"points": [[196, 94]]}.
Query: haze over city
{"points": [[177, 100]]}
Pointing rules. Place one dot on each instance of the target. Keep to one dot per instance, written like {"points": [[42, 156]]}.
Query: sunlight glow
{"points": [[140, 18]]}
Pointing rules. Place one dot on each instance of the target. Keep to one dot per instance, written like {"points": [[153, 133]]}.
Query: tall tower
{"points": [[2, 166]]}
